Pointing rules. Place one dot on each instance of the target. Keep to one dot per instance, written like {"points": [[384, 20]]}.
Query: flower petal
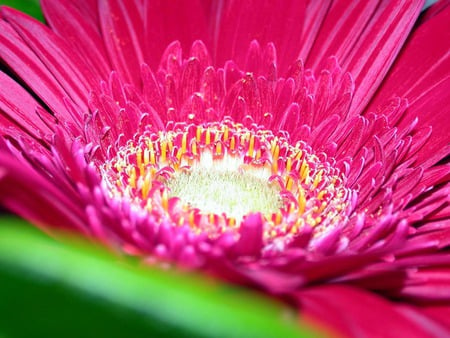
{"points": [[122, 32], [266, 22], [36, 198], [366, 29], [435, 319], [167, 21], [66, 67], [356, 313], [17, 109], [315, 14], [18, 56], [68, 22], [421, 75]]}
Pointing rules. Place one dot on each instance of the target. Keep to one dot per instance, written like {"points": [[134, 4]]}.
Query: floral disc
{"points": [[213, 175]]}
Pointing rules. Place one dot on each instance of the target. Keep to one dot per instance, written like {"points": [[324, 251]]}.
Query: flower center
{"points": [[211, 176], [226, 187]]}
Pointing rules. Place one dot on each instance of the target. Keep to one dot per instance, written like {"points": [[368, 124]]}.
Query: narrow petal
{"points": [[18, 56], [36, 198], [122, 31], [356, 313], [433, 10], [315, 14], [439, 313], [421, 75], [68, 22], [167, 21], [435, 319], [54, 52], [341, 21], [266, 22], [19, 108], [366, 29]]}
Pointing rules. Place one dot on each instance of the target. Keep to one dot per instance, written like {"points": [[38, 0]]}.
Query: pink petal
{"points": [[439, 313], [36, 198], [315, 14], [433, 10], [89, 11], [122, 31], [365, 37], [379, 44], [343, 24], [18, 56], [19, 108], [265, 21], [421, 75], [69, 70], [167, 21], [435, 319], [353, 312], [68, 22]]}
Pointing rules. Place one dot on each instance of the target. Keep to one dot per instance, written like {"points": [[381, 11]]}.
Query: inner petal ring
{"points": [[211, 176]]}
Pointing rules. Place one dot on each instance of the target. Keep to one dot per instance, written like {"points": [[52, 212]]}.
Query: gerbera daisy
{"points": [[296, 147]]}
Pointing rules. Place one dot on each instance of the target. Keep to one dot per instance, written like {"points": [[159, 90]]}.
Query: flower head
{"points": [[283, 157]]}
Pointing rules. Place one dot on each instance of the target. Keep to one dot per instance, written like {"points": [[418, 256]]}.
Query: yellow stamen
{"points": [[301, 201], [146, 156], [208, 137], [304, 171], [132, 178], [289, 164], [232, 143], [163, 151], [146, 185], [226, 133], [317, 179], [194, 148], [165, 200], [139, 161], [251, 146], [289, 183], [219, 148], [184, 143]]}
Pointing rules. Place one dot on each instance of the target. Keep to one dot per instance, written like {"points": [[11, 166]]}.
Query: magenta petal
{"points": [[421, 75], [17, 108], [315, 14], [251, 235], [116, 97], [346, 35], [380, 44], [432, 11], [356, 313], [66, 67], [430, 291], [88, 10], [167, 21], [84, 37], [242, 23], [341, 21], [439, 313], [27, 66], [121, 24], [36, 198], [436, 326]]}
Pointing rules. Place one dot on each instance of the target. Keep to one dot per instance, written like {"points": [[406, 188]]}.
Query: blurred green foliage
{"points": [[68, 288], [30, 7]]}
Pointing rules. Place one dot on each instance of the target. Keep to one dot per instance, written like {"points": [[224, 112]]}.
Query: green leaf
{"points": [[31, 7], [69, 288]]}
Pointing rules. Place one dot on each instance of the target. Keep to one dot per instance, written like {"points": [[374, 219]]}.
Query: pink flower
{"points": [[297, 147]]}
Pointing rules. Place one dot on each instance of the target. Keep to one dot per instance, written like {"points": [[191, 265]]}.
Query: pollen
{"points": [[211, 176]]}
